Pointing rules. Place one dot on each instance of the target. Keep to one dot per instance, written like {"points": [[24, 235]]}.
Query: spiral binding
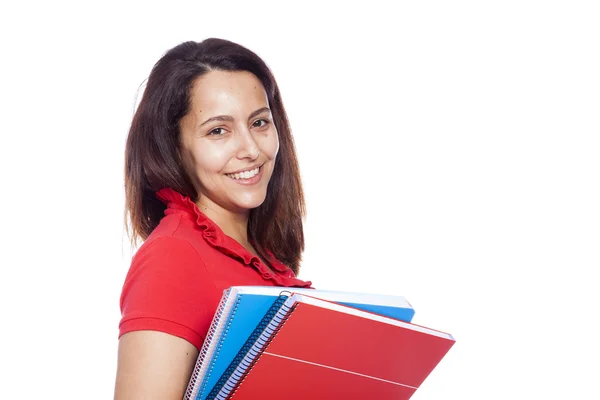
{"points": [[219, 345], [192, 388], [247, 356]]}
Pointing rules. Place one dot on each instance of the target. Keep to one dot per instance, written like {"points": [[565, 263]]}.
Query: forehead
{"points": [[227, 91]]}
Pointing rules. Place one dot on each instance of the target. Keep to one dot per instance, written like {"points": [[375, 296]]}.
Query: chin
{"points": [[250, 202], [249, 205]]}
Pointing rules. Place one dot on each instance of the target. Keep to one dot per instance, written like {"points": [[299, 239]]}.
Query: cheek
{"points": [[271, 146], [211, 159]]}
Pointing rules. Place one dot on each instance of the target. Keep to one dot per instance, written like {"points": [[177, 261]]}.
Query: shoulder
{"points": [[170, 247], [180, 232], [175, 226], [168, 262], [168, 289]]}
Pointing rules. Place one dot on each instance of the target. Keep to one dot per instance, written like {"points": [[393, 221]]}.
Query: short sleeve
{"points": [[168, 289]]}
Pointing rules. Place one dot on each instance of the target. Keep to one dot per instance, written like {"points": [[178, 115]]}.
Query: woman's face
{"points": [[229, 140]]}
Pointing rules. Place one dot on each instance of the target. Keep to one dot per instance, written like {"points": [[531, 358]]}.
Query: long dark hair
{"points": [[153, 157]]}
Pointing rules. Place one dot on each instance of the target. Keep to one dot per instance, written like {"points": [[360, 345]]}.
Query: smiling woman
{"points": [[226, 151], [213, 191]]}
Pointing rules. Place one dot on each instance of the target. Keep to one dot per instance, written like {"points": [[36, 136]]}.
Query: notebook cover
{"points": [[323, 354], [400, 313], [250, 310]]}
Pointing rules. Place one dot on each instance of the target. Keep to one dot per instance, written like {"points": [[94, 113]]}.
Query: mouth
{"points": [[246, 176]]}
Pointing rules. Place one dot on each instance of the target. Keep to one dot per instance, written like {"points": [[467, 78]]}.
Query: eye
{"points": [[217, 132], [266, 122]]}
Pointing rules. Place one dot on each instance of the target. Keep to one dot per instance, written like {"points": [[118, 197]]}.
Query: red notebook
{"points": [[322, 350]]}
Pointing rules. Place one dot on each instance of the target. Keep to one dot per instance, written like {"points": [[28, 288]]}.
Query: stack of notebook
{"points": [[274, 343]]}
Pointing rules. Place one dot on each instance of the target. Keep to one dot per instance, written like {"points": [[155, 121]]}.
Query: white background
{"points": [[449, 152]]}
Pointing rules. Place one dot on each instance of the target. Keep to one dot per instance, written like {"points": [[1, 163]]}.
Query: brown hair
{"points": [[153, 159]]}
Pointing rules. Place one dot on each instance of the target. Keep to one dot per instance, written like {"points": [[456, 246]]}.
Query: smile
{"points": [[245, 175]]}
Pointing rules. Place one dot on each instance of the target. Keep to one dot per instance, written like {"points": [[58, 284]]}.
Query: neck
{"points": [[233, 224]]}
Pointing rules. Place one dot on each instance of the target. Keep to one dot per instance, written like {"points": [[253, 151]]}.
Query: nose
{"points": [[247, 145]]}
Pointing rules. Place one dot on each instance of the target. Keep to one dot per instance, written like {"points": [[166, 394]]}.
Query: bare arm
{"points": [[153, 365]]}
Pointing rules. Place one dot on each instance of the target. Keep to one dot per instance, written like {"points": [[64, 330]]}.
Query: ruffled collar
{"points": [[215, 237]]}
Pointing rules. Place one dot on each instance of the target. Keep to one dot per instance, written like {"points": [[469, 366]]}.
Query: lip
{"points": [[251, 181], [246, 169]]}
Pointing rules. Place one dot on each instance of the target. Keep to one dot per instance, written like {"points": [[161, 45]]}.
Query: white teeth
{"points": [[245, 174]]}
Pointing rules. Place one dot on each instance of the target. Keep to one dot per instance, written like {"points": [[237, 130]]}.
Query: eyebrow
{"points": [[229, 118]]}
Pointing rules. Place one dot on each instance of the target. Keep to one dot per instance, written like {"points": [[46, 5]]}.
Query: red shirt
{"points": [[178, 275]]}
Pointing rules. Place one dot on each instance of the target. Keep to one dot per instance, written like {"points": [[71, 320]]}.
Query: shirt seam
{"points": [[212, 278], [133, 319], [159, 319], [184, 240], [178, 225], [172, 235]]}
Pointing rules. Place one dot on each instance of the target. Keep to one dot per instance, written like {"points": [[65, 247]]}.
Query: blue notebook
{"points": [[241, 310]]}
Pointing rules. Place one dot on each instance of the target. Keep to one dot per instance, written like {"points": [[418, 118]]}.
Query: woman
{"points": [[213, 188]]}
